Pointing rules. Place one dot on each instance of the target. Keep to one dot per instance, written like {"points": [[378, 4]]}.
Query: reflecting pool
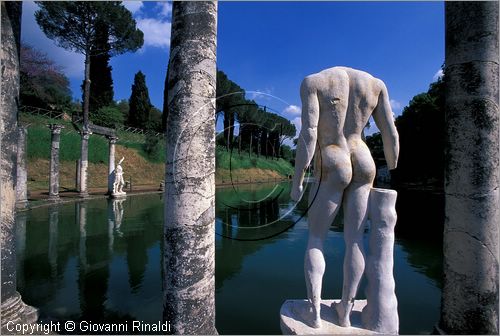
{"points": [[100, 261]]}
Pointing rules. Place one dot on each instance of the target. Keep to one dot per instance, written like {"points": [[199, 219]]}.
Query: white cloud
{"points": [[439, 74], [292, 110], [265, 94], [156, 32], [395, 105], [133, 6], [165, 9], [71, 62]]}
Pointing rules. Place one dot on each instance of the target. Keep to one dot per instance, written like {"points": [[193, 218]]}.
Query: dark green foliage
{"points": [[139, 103], [375, 144], [101, 81], [153, 147], [73, 25], [107, 116], [260, 132], [230, 97], [421, 129], [82, 26], [42, 82], [287, 153], [122, 105], [155, 120]]}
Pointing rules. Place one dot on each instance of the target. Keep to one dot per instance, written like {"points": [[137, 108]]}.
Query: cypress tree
{"points": [[139, 103], [101, 81]]}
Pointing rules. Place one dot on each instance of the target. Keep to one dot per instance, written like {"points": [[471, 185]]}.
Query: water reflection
{"points": [[100, 260]]}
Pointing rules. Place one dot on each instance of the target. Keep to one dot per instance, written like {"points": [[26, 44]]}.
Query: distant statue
{"points": [[119, 181], [336, 106]]}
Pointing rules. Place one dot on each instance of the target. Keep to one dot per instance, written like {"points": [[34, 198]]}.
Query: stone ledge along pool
{"points": [[100, 261]]}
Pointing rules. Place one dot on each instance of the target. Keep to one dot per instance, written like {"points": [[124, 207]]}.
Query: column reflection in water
{"points": [[94, 265], [136, 250], [21, 218], [53, 227]]}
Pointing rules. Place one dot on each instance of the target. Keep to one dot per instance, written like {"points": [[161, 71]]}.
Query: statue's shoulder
{"points": [[318, 80]]}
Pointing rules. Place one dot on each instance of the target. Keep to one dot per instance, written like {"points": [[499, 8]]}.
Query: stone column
{"points": [[84, 164], [21, 172], [111, 163], [381, 311], [189, 228], [12, 307], [77, 175], [54, 162], [470, 289]]}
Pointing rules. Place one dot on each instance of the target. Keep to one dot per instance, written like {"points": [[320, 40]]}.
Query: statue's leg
{"points": [[324, 205], [355, 205]]}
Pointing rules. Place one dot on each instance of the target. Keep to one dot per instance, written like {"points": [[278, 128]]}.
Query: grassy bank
{"points": [[139, 166]]}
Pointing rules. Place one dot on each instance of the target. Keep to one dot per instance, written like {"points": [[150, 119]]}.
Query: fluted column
{"points": [[54, 162]]}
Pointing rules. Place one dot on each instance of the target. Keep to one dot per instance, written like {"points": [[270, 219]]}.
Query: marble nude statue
{"points": [[336, 105], [119, 182]]}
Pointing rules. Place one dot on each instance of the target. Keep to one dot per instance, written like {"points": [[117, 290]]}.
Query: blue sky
{"points": [[269, 47]]}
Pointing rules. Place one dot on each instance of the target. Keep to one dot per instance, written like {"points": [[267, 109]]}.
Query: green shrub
{"points": [[152, 146], [108, 116]]}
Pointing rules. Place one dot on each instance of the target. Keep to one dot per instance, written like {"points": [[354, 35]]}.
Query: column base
{"points": [[296, 318], [16, 311], [83, 194], [22, 204], [54, 198]]}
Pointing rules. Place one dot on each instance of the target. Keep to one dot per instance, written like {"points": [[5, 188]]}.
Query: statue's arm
{"points": [[306, 144], [385, 122]]}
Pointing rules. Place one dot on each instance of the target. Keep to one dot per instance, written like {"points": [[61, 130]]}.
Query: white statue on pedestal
{"points": [[119, 181], [336, 106]]}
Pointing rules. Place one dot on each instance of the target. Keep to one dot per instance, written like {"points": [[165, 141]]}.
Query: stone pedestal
{"points": [[111, 163], [296, 319], [381, 311], [84, 164], [16, 311], [54, 162], [122, 194], [21, 172]]}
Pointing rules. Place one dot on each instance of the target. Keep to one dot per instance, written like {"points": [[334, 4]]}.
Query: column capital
{"points": [[22, 128], [85, 134], [112, 139], [55, 128]]}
